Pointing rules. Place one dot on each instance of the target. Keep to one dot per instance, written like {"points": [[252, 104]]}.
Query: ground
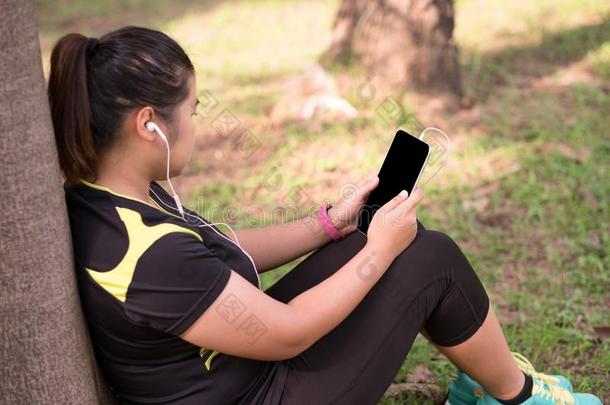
{"points": [[526, 190]]}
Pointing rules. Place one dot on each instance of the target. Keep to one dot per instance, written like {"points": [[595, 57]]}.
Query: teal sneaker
{"points": [[465, 391], [547, 394]]}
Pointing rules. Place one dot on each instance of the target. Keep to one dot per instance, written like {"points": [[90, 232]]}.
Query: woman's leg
{"points": [[430, 285], [486, 357]]}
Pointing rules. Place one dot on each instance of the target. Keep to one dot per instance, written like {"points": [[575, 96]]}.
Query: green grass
{"points": [[526, 192], [600, 60]]}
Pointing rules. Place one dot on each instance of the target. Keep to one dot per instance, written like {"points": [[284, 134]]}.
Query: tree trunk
{"points": [[45, 352], [407, 43], [340, 49]]}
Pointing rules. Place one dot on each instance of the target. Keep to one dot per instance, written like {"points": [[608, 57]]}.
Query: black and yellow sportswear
{"points": [[145, 276]]}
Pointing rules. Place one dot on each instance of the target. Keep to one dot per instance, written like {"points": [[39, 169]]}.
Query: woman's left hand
{"points": [[344, 215]]}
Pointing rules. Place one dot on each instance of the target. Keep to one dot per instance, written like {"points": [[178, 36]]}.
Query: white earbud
{"points": [[152, 127]]}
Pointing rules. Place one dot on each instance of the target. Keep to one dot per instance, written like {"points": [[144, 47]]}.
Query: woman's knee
{"points": [[447, 260], [432, 243], [435, 240], [431, 251]]}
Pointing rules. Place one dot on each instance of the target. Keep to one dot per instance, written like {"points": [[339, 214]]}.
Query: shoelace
{"points": [[525, 365], [559, 395]]}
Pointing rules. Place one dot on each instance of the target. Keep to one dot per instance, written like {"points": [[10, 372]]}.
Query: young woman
{"points": [[174, 306]]}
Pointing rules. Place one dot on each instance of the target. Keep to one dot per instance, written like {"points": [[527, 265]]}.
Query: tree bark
{"points": [[407, 43], [45, 352], [340, 49]]}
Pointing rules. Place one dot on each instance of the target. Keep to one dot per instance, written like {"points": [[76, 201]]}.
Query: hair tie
{"points": [[92, 45]]}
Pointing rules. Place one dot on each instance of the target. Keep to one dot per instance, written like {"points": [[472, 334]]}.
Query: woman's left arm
{"points": [[274, 245]]}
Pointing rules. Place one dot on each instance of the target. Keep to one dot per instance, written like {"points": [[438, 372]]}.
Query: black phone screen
{"points": [[400, 170]]}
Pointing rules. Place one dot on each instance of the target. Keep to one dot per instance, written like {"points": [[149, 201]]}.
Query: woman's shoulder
{"points": [[106, 225]]}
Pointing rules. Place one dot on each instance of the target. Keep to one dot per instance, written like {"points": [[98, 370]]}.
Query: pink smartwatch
{"points": [[326, 223]]}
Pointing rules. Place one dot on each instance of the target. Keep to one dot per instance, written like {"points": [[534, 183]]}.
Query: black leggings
{"points": [[429, 285]]}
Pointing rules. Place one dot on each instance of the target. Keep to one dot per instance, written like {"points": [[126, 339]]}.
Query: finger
{"points": [[368, 185], [416, 196], [364, 187], [394, 202], [368, 179], [411, 202]]}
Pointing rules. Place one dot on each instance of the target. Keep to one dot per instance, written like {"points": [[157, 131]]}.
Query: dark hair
{"points": [[94, 83]]}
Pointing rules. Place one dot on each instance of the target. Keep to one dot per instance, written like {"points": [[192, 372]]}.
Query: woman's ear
{"points": [[142, 116]]}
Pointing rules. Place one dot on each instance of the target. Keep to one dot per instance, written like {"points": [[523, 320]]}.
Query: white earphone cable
{"points": [[152, 126], [447, 149], [168, 180], [235, 242]]}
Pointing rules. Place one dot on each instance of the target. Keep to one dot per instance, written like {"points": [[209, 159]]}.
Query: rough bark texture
{"points": [[45, 351], [346, 21], [405, 42]]}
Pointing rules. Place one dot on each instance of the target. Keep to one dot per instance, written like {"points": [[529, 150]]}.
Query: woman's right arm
{"points": [[244, 321]]}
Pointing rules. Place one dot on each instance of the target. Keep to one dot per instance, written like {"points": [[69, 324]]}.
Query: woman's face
{"points": [[182, 133]]}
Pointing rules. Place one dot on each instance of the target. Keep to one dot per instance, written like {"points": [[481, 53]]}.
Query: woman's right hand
{"points": [[394, 225]]}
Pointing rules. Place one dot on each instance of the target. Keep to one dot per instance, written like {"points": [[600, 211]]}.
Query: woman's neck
{"points": [[123, 178]]}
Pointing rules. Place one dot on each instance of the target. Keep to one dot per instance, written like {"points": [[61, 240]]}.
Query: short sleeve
{"points": [[174, 282]]}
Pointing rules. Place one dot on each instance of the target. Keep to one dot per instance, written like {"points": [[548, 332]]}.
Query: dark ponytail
{"points": [[94, 83]]}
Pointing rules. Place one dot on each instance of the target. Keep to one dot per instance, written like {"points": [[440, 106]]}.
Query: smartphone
{"points": [[401, 169]]}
